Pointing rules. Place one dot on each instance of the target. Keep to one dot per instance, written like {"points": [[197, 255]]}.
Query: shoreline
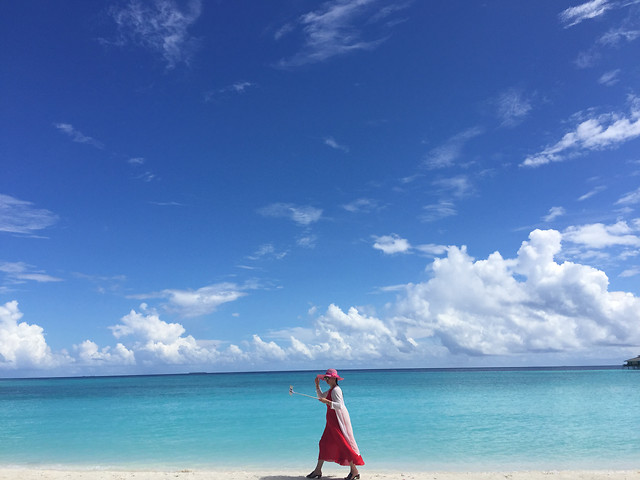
{"points": [[335, 473]]}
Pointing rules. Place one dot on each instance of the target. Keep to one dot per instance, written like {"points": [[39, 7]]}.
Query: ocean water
{"points": [[495, 419]]}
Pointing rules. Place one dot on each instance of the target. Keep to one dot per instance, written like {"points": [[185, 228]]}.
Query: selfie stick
{"points": [[291, 392]]}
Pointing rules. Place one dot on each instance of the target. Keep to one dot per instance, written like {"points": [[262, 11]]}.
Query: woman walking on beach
{"points": [[337, 443]]}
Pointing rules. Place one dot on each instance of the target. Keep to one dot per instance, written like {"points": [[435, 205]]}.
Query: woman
{"points": [[337, 443]]}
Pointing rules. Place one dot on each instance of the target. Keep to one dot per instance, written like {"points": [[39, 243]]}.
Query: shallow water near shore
{"points": [[455, 420]]}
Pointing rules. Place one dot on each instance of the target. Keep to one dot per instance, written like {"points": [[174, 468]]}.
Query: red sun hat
{"points": [[332, 372]]}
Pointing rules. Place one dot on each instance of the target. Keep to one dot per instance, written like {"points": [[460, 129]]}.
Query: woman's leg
{"points": [[318, 469]]}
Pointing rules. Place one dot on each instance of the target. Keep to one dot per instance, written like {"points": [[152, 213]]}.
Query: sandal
{"points": [[314, 475]]}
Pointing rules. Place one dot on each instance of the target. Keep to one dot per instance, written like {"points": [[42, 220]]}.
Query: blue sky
{"points": [[235, 185]]}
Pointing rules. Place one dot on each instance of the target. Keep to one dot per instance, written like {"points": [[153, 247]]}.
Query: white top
{"points": [[337, 404]]}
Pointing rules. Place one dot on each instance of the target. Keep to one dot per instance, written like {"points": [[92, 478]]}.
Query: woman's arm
{"points": [[336, 396], [318, 390]]}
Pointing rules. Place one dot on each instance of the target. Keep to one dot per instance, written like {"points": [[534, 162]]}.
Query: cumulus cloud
{"points": [[574, 15], [23, 345], [527, 304], [336, 28], [597, 133], [19, 216], [391, 244], [267, 350], [157, 341], [193, 303], [495, 306], [89, 354], [160, 27], [599, 236], [301, 214]]}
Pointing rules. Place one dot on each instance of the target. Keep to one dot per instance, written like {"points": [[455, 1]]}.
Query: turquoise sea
{"points": [[489, 419]]}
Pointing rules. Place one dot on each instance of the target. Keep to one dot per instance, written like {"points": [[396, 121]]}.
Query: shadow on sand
{"points": [[292, 477]]}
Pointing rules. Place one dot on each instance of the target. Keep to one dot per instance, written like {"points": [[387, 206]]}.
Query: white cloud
{"points": [[23, 345], [588, 58], [630, 198], [554, 212], [598, 235], [193, 303], [239, 88], [601, 132], [146, 176], [307, 240], [431, 249], [391, 244], [558, 307], [446, 155], [267, 250], [458, 186], [19, 216], [438, 211], [609, 78], [156, 341], [614, 37], [88, 353], [330, 142], [300, 214], [332, 30], [267, 350], [361, 205], [76, 135], [630, 272], [513, 107], [591, 193], [159, 26], [20, 272], [574, 15], [527, 305], [351, 336]]}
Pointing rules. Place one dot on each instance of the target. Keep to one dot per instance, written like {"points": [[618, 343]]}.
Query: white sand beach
{"points": [[41, 474]]}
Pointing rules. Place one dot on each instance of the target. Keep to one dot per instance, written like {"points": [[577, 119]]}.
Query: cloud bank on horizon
{"points": [[350, 183], [499, 306]]}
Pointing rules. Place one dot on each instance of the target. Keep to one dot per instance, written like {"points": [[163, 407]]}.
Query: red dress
{"points": [[334, 447]]}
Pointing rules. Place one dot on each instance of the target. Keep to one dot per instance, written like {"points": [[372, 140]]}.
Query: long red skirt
{"points": [[334, 447]]}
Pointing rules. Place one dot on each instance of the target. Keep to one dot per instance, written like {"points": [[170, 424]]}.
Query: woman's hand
{"points": [[317, 382], [324, 400]]}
